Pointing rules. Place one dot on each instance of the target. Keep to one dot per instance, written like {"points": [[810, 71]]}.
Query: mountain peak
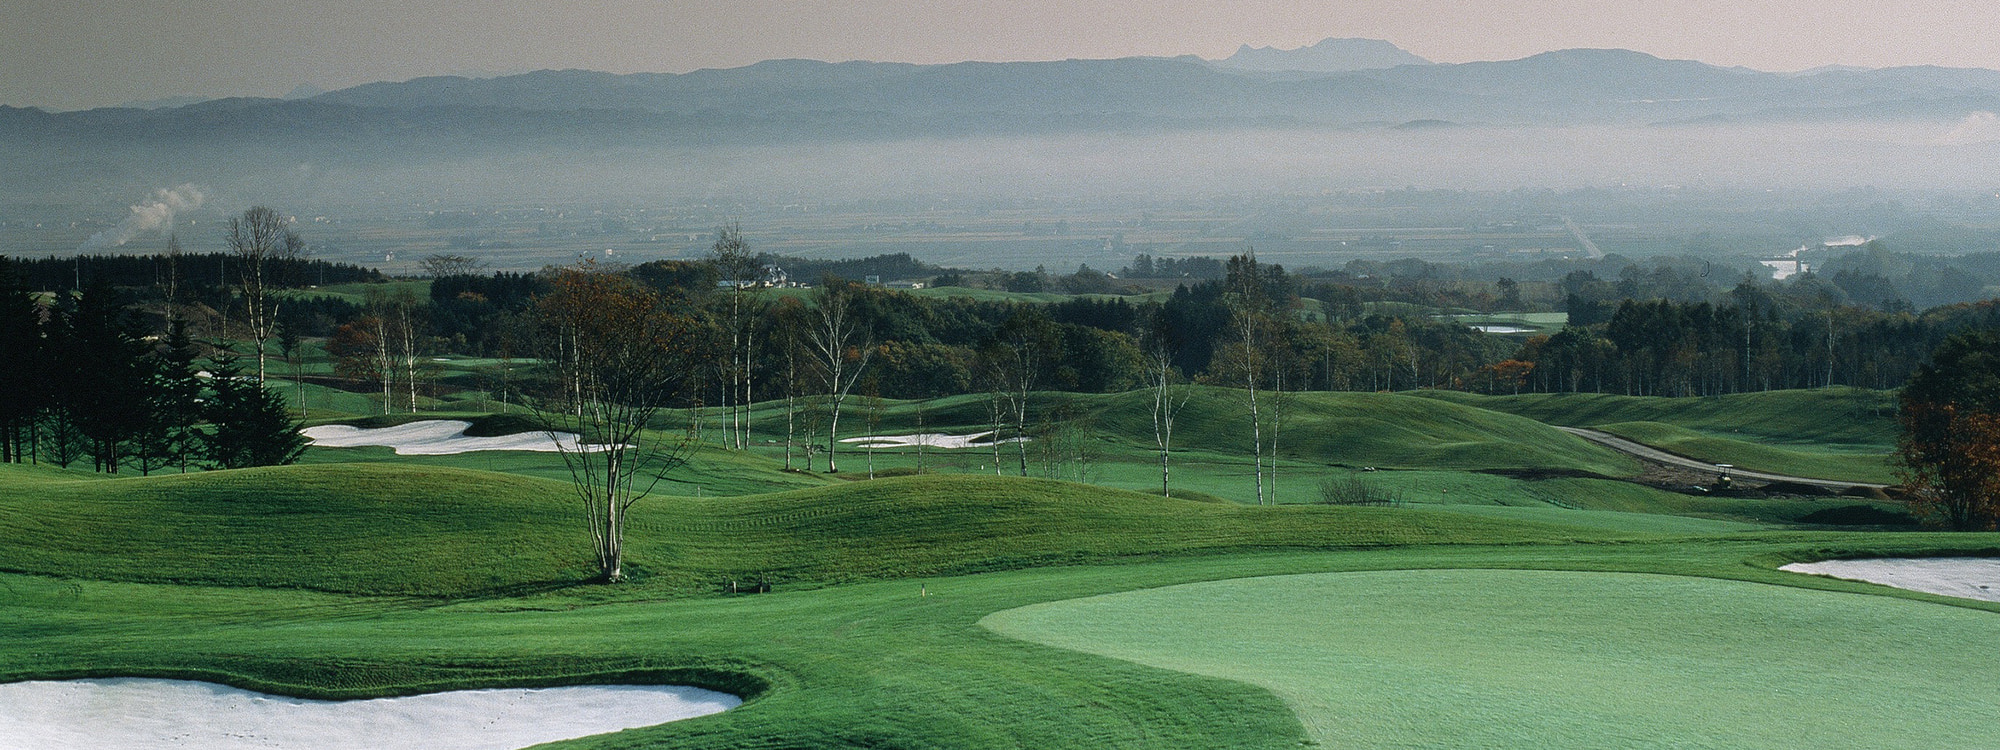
{"points": [[1327, 56]]}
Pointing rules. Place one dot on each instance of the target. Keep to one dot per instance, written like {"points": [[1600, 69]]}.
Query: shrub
{"points": [[1353, 490]]}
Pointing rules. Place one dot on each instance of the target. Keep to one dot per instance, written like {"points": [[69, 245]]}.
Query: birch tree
{"points": [[615, 353], [261, 239], [1170, 392], [734, 264], [1020, 347], [841, 347], [1248, 320]]}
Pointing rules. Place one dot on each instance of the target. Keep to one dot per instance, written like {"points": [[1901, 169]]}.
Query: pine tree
{"points": [[249, 424], [21, 361], [106, 370], [174, 405]]}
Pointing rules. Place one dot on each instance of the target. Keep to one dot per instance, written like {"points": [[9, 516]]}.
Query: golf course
{"points": [[1520, 587]]}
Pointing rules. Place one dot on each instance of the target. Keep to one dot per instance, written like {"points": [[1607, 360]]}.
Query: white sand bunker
{"points": [[438, 437], [930, 440], [143, 714], [1963, 577]]}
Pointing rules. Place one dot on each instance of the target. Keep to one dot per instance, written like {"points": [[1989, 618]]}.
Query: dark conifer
{"points": [[249, 424]]}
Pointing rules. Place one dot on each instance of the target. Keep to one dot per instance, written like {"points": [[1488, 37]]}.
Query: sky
{"points": [[74, 54]]}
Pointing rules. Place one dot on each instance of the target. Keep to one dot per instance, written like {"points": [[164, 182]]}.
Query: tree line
{"points": [[1762, 337], [87, 381]]}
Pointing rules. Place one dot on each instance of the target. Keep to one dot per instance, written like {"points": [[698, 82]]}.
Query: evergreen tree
{"points": [[249, 425], [174, 405], [106, 374], [22, 362]]}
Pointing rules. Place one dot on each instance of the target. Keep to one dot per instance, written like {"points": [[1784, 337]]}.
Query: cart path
{"points": [[1650, 453]]}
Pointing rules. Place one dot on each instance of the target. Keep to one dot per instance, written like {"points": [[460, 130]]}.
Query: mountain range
{"points": [[1328, 56], [1497, 116], [785, 99]]}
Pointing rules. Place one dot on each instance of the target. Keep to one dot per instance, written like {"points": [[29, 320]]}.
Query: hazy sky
{"points": [[67, 54]]}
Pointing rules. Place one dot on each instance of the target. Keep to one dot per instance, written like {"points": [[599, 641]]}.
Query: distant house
{"points": [[773, 277]]}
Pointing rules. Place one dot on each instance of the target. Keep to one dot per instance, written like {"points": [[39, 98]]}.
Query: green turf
{"points": [[1802, 461], [1352, 429], [1826, 417], [359, 292], [864, 665], [402, 574], [415, 530], [1508, 659]]}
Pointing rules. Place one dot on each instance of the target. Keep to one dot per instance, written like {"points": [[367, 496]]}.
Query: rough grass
{"points": [[1799, 461], [709, 469], [426, 531], [1355, 429], [1541, 659], [1852, 417]]}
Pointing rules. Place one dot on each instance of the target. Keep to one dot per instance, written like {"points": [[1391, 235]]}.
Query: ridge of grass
{"points": [[1355, 429], [1800, 461], [1838, 416], [381, 529]]}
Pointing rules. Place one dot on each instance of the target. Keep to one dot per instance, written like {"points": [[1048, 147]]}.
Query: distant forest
{"points": [[1667, 327]]}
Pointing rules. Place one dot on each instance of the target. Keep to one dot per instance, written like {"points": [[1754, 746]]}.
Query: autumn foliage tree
{"points": [[1949, 452], [616, 356], [614, 353]]}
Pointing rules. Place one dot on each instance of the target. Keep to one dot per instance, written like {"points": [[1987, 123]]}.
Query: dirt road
{"points": [[1650, 453]]}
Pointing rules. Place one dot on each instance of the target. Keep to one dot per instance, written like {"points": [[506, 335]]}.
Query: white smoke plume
{"points": [[154, 213]]}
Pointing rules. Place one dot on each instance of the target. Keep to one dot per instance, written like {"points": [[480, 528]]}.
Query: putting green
{"points": [[1512, 658]]}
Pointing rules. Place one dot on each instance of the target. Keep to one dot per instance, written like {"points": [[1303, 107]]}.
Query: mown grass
{"points": [[1871, 466], [358, 292], [1354, 429], [346, 580], [429, 531], [869, 664], [1541, 659], [1849, 417]]}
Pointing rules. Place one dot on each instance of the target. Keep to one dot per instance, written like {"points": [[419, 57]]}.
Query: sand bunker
{"points": [[143, 714], [1963, 577], [929, 440], [437, 437]]}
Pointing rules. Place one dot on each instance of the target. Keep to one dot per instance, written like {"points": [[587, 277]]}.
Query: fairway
{"points": [[1510, 659]]}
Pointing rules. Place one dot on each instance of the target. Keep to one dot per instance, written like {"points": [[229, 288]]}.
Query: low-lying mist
{"points": [[1911, 155]]}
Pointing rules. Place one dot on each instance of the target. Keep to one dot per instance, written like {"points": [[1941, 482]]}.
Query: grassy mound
{"points": [[1356, 429], [1802, 462], [944, 525], [414, 530], [1825, 416], [710, 470], [361, 528]]}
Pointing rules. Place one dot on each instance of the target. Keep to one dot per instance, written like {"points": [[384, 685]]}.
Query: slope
{"points": [[426, 531]]}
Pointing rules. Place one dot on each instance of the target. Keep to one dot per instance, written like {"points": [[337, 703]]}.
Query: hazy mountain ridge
{"points": [[1603, 86], [1327, 56], [1570, 117]]}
